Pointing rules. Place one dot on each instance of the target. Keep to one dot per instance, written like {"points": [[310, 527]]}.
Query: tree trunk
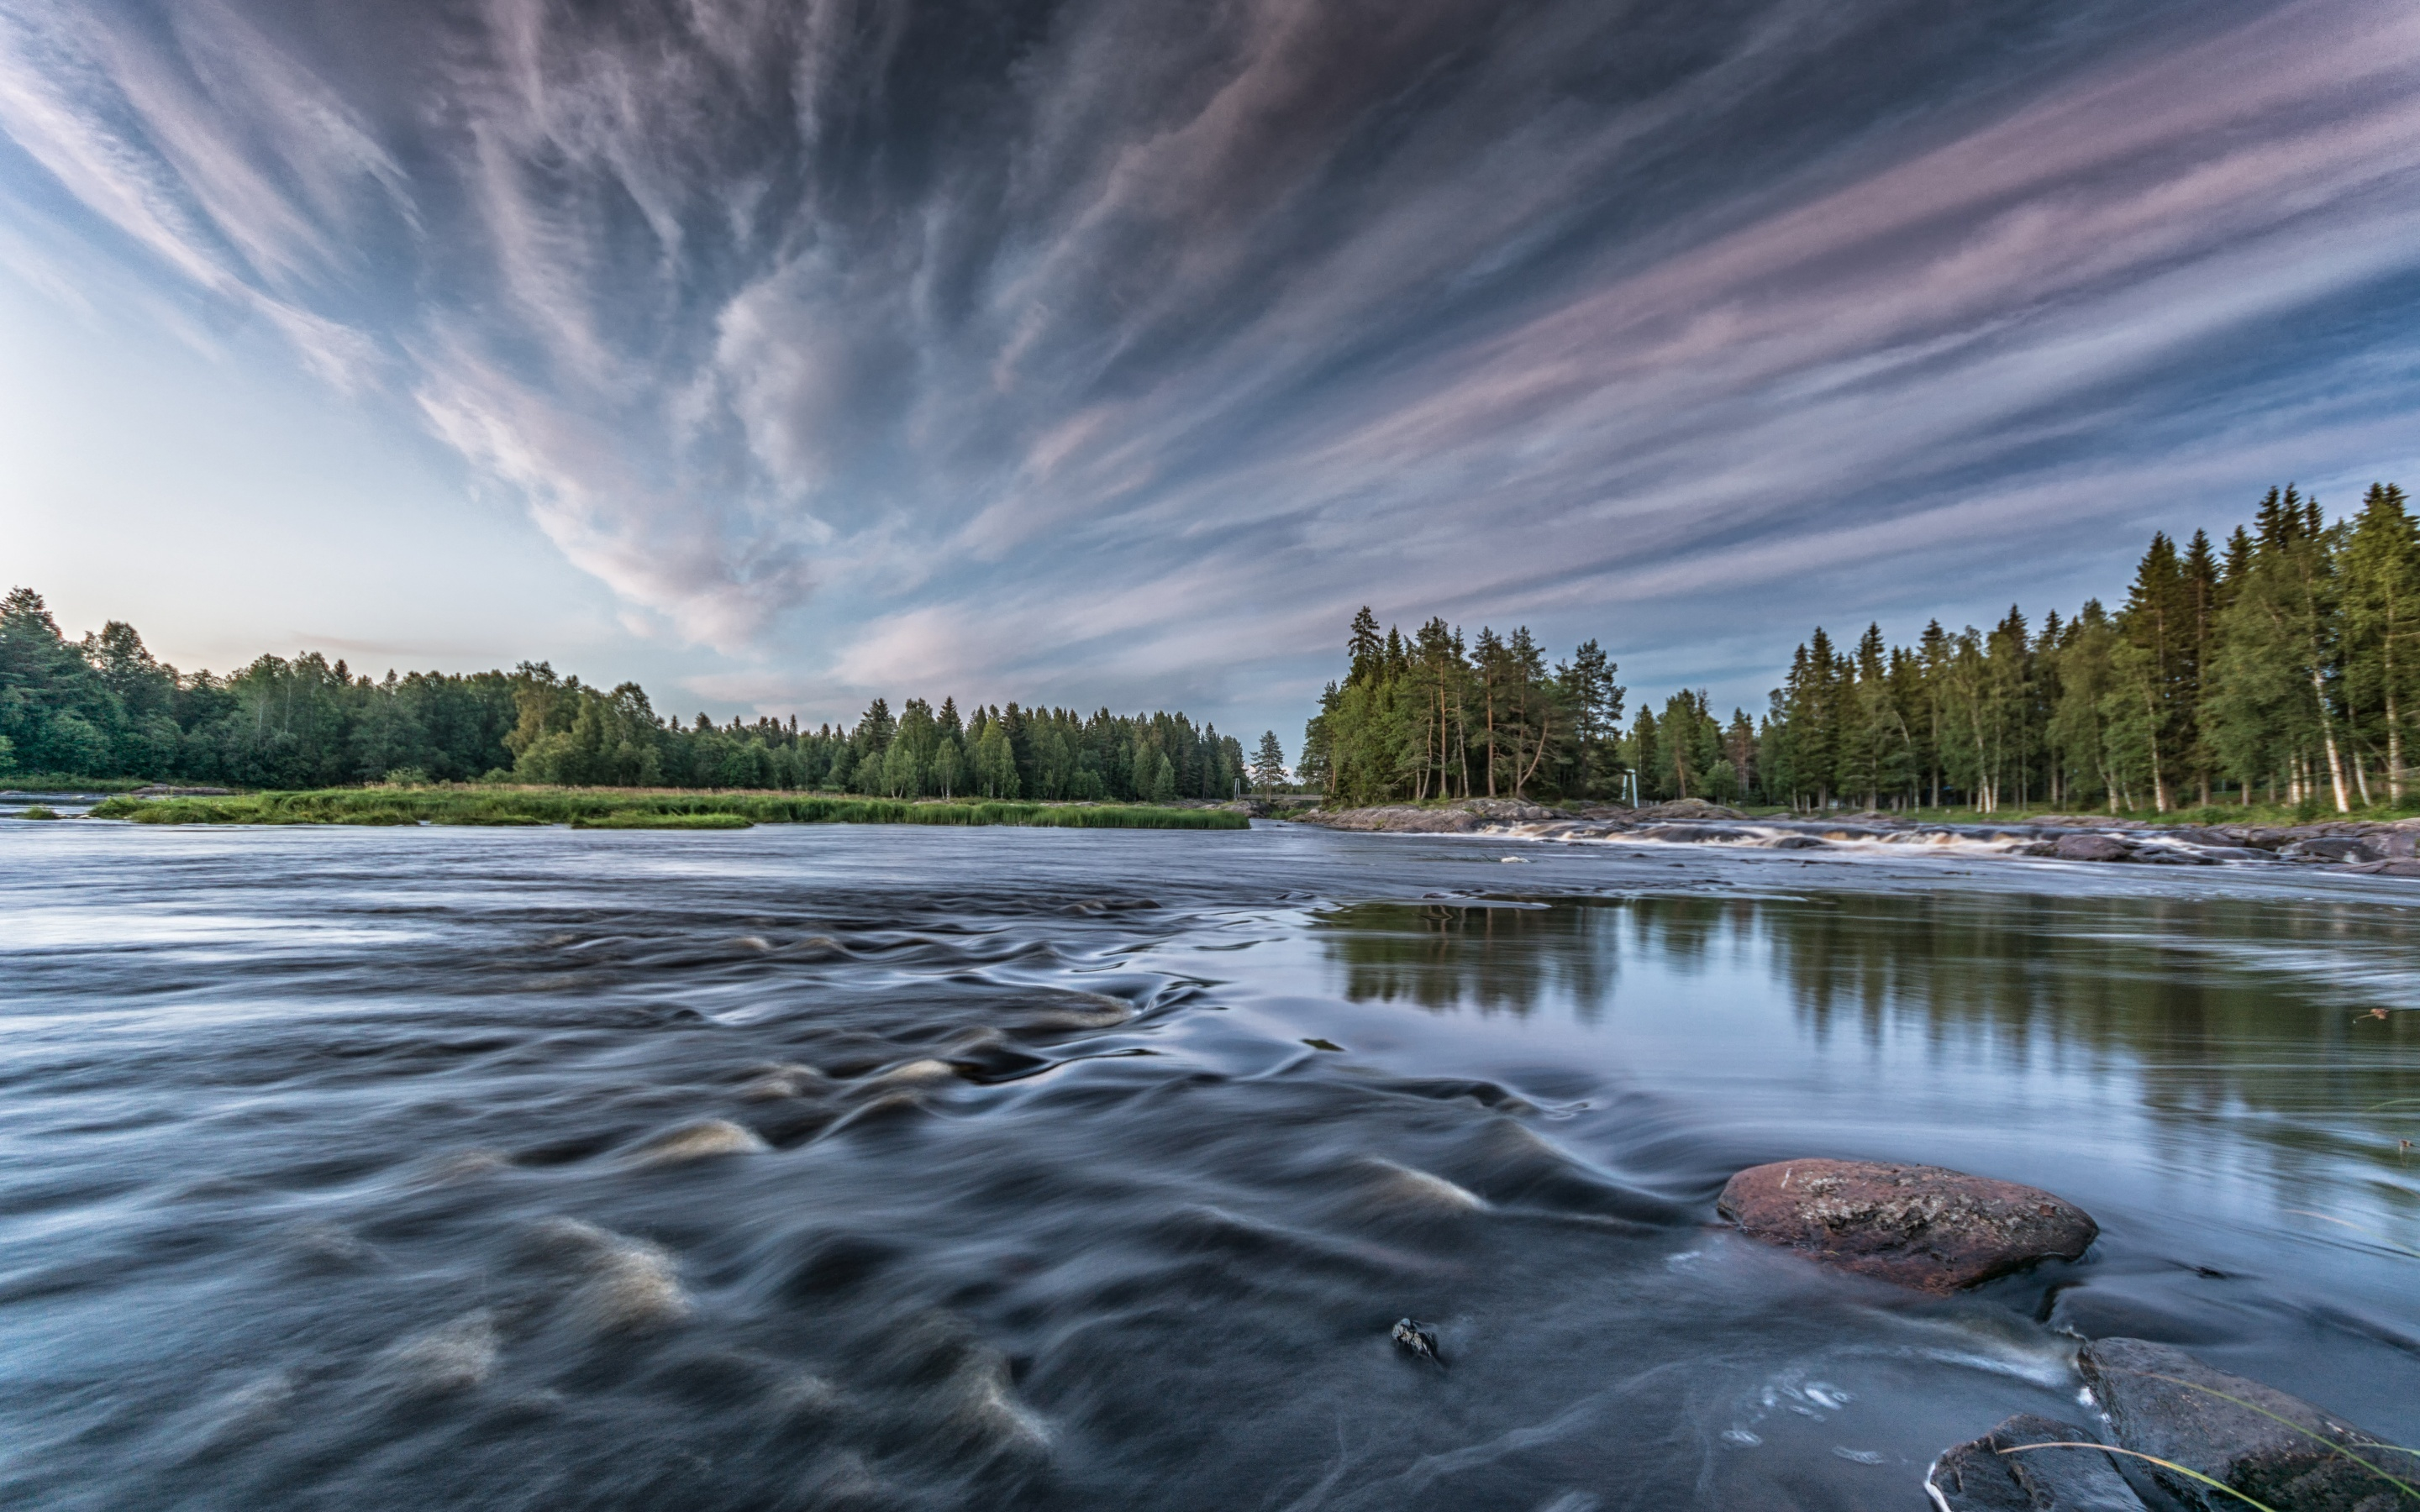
{"points": [[2394, 738], [1491, 740], [2327, 738], [1545, 730]]}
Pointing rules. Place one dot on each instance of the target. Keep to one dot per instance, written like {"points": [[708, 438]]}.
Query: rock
{"points": [[2157, 854], [2329, 848], [1685, 808], [1798, 842], [1976, 1477], [1695, 834], [1462, 818], [2162, 1401], [1919, 1226], [702, 1140], [2091, 848], [1415, 1339], [2387, 869]]}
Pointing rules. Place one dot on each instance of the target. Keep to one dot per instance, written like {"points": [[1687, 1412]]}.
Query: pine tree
{"points": [[1268, 764]]}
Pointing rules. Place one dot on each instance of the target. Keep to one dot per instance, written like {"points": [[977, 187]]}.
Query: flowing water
{"points": [[924, 1169]]}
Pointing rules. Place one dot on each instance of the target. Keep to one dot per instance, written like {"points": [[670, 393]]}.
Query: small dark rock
{"points": [[2274, 1448], [2387, 869], [1981, 1476], [1798, 842], [1415, 1339], [2329, 848], [2091, 848], [1919, 1226], [2173, 856]]}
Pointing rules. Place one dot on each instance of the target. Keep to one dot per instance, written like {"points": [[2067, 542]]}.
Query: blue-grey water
{"points": [[826, 1167]]}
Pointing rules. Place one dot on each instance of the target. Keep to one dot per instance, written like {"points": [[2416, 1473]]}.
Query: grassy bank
{"points": [[67, 782], [610, 809]]}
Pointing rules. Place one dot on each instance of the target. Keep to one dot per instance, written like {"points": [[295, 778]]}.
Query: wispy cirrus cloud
{"points": [[1087, 349]]}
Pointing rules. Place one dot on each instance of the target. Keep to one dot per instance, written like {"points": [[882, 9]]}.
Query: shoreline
{"points": [[608, 808], [2372, 847]]}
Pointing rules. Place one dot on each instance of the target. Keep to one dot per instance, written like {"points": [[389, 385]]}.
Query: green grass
{"points": [[666, 821], [605, 808], [67, 782], [36, 811]]}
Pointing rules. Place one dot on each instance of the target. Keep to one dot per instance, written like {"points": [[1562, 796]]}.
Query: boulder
{"points": [[2387, 869], [1686, 809], [1919, 1226], [2091, 848], [2329, 848], [1980, 1476], [2276, 1450]]}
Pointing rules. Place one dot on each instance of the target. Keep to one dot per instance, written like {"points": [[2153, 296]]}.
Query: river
{"points": [[876, 1167]]}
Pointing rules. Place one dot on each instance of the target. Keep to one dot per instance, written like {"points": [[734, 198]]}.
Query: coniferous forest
{"points": [[2282, 668], [104, 706]]}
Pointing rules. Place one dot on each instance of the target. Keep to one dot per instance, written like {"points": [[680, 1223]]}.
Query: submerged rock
{"points": [[702, 1140], [1919, 1226], [1981, 1475], [1411, 1336], [2274, 1448]]}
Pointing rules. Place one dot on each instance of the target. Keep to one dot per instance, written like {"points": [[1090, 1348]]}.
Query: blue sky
{"points": [[778, 354]]}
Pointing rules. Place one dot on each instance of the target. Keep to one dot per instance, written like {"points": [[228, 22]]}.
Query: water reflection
{"points": [[2274, 1023]]}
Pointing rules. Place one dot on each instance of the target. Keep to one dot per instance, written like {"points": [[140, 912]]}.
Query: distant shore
{"points": [[645, 808], [2388, 847]]}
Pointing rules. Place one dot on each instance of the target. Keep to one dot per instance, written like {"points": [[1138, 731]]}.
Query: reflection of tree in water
{"points": [[1495, 959], [2212, 1007]]}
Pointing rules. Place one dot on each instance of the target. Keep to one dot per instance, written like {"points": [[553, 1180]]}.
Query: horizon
{"points": [[1093, 359]]}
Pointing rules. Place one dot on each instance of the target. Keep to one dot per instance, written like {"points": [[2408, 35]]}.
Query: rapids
{"points": [[829, 1167]]}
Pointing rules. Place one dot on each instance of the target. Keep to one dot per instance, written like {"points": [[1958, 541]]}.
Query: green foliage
{"points": [[2286, 667], [1432, 717], [609, 810], [103, 708]]}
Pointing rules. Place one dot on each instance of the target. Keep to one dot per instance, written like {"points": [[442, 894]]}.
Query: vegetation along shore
{"points": [[2278, 671], [594, 809]]}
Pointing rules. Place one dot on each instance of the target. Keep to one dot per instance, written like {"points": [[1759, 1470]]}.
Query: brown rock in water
{"points": [[1919, 1226], [2276, 1450]]}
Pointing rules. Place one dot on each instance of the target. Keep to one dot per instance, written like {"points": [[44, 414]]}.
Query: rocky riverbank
{"points": [[2384, 848]]}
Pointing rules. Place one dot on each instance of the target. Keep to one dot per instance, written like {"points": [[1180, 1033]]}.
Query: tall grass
{"points": [[605, 809]]}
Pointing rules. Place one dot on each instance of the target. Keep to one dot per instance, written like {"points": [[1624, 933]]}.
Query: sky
{"points": [[779, 353]]}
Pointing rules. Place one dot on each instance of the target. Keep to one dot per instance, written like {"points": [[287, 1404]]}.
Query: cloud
{"points": [[1127, 346]]}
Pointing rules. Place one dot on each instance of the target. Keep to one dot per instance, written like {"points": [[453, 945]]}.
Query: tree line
{"points": [[1431, 716], [104, 706], [2283, 666]]}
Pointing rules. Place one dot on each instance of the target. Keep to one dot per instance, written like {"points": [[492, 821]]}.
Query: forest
{"points": [[2282, 668], [104, 706]]}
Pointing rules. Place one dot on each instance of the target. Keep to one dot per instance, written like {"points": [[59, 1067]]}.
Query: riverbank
{"points": [[2388, 847], [620, 809]]}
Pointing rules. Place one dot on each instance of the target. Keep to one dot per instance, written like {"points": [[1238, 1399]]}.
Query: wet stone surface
{"points": [[1917, 1226], [2000, 1471], [2275, 1449]]}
